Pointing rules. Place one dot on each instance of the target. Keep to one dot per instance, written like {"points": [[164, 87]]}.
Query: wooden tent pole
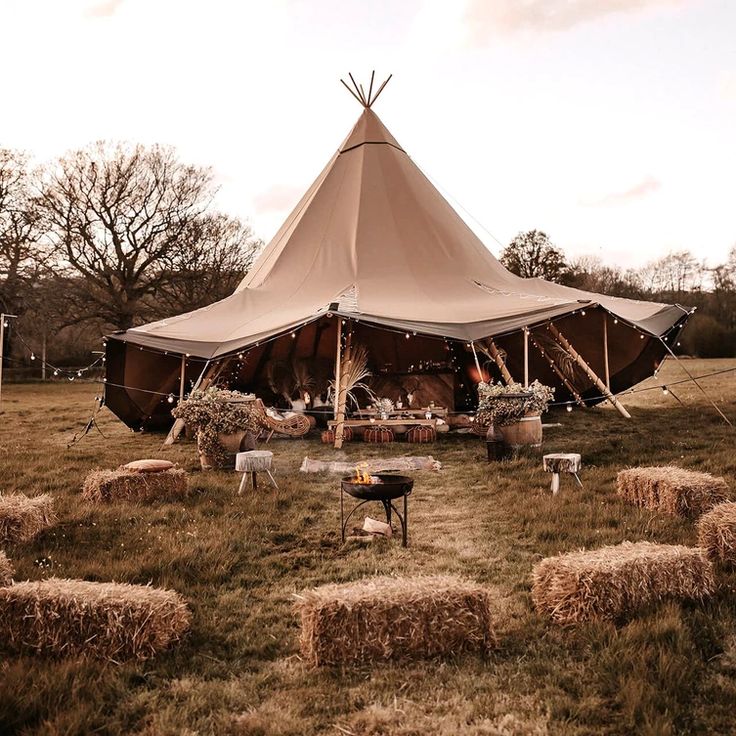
{"points": [[342, 390], [182, 377], [202, 382], [526, 357], [493, 350], [477, 362], [338, 363], [565, 345], [605, 350], [558, 372]]}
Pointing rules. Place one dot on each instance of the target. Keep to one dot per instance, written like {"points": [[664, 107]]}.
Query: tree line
{"points": [[115, 235], [677, 278], [108, 237]]}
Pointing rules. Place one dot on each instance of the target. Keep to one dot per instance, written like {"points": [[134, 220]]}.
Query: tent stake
{"points": [[558, 372], [493, 350], [565, 345]]}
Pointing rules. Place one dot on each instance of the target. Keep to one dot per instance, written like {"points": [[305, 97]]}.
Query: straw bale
{"points": [[394, 618], [671, 489], [114, 621], [6, 570], [130, 485], [717, 533], [613, 582], [23, 517]]}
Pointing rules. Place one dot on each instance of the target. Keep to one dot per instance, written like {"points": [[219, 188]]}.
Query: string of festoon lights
{"points": [[56, 371], [450, 343]]}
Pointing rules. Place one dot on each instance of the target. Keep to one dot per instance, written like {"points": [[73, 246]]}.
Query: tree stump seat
{"points": [[562, 462], [251, 463]]}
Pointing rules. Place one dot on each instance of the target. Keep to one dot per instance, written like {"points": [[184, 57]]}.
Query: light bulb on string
{"points": [[665, 390], [56, 373], [33, 356], [79, 373], [170, 398], [569, 407], [293, 334]]}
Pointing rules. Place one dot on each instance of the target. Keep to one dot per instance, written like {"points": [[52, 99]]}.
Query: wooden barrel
{"points": [[526, 432]]}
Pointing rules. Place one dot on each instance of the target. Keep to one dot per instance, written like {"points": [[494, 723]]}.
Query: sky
{"points": [[609, 124]]}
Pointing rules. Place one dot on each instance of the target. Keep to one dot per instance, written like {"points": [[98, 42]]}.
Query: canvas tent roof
{"points": [[373, 236]]}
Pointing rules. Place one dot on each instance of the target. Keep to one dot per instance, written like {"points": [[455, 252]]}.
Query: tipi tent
{"points": [[374, 246]]}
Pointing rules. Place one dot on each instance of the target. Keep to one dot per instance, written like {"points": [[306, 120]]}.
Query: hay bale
{"points": [[114, 621], [23, 517], [717, 533], [613, 582], [671, 489], [129, 485], [394, 618], [6, 570]]}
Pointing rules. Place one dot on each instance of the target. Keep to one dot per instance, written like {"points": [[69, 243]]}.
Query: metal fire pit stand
{"points": [[388, 507]]}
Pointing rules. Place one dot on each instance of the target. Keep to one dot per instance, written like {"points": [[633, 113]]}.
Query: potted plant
{"points": [[513, 412], [384, 407], [221, 419]]}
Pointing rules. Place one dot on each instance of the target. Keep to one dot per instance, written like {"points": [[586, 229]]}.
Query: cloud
{"points": [[642, 189], [508, 17], [104, 9], [277, 198], [727, 85]]}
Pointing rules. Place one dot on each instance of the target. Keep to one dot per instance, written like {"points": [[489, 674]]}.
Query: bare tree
{"points": [[532, 255], [114, 215], [21, 252], [211, 259]]}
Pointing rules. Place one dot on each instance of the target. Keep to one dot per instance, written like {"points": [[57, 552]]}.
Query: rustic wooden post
{"points": [[526, 357], [605, 350], [181, 378], [558, 372], [202, 382], [493, 351], [341, 387], [565, 345]]}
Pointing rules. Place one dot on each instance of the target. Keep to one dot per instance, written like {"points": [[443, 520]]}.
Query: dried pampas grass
{"points": [[22, 518], [717, 533], [128, 485], [394, 618], [671, 489], [6, 570], [114, 621], [613, 582]]}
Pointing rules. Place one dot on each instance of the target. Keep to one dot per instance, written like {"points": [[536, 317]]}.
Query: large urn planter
{"points": [[231, 444], [527, 432]]}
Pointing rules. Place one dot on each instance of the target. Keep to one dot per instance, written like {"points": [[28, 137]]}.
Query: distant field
{"points": [[238, 560]]}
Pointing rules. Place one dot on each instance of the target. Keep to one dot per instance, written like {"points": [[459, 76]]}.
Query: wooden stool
{"points": [[562, 462], [254, 461]]}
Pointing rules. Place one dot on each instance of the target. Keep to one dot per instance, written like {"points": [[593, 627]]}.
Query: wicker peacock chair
{"points": [[295, 426]]}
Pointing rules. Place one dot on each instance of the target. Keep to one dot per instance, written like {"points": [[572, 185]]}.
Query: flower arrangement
{"points": [[214, 412], [383, 406], [501, 405]]}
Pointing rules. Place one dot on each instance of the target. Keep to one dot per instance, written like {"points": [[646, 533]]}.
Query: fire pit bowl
{"points": [[390, 487]]}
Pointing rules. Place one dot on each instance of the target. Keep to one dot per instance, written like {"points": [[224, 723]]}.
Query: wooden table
{"points": [[438, 411], [384, 422]]}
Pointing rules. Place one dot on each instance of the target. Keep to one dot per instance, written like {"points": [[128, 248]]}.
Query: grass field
{"points": [[238, 560]]}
